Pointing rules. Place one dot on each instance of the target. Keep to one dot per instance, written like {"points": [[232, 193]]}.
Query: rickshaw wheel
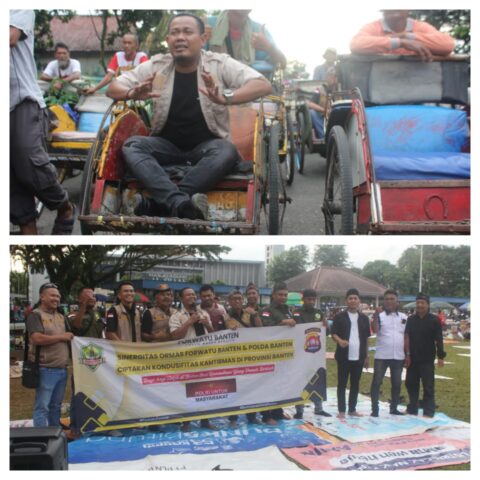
{"points": [[338, 199], [86, 189], [273, 181], [301, 154], [291, 152]]}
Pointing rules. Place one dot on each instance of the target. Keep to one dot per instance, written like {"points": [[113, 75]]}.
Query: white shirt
{"points": [[354, 340], [390, 336], [53, 70], [180, 317]]}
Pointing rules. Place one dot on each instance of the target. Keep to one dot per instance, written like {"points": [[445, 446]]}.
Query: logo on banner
{"points": [[92, 356], [312, 340]]}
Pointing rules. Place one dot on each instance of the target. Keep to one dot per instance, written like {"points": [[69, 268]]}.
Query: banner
{"points": [[120, 384], [269, 458], [402, 453], [138, 443]]}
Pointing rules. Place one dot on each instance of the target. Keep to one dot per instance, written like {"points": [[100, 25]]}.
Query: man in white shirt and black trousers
{"points": [[350, 330], [389, 326]]}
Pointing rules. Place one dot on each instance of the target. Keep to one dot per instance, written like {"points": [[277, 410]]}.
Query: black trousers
{"points": [[425, 373], [346, 369], [149, 160]]}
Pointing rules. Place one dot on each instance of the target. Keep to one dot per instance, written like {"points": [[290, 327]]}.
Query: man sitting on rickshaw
{"points": [[127, 59], [191, 90], [399, 34], [245, 40], [318, 103]]}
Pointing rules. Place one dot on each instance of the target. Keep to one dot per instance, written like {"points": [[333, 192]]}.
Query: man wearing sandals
{"points": [[191, 90], [31, 173]]}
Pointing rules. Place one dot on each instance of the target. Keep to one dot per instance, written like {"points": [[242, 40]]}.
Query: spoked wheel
{"points": [[289, 163], [302, 138], [338, 202], [275, 184], [86, 189]]}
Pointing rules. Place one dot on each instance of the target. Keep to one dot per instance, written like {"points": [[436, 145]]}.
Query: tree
{"points": [[72, 266], [295, 71], [330, 256], [455, 22], [446, 270], [288, 264], [43, 34]]}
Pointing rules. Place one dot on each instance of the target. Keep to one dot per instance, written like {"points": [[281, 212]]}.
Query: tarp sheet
{"points": [[136, 444], [402, 453], [269, 458]]}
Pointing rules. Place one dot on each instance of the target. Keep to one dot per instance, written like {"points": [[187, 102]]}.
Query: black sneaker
{"points": [[396, 412], [374, 414], [322, 413], [298, 416]]}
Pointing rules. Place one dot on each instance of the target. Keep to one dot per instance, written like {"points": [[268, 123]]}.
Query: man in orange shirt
{"points": [[399, 34]]}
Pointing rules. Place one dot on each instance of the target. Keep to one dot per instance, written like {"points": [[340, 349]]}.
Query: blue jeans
{"points": [[49, 396], [379, 369], [317, 122]]}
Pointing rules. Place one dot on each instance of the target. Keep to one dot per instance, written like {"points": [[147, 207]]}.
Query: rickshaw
{"points": [[397, 147], [235, 204]]}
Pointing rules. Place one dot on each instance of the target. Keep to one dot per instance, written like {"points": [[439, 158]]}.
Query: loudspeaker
{"points": [[38, 448]]}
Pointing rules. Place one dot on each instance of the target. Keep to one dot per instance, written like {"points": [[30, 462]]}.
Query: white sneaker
{"points": [[200, 202]]}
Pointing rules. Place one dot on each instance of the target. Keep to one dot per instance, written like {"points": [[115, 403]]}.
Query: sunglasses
{"points": [[47, 285]]}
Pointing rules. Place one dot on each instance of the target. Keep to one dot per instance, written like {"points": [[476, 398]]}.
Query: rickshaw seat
{"points": [[418, 142], [242, 128]]}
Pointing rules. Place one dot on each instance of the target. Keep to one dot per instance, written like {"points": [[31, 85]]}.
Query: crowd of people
{"points": [[413, 341], [212, 63]]}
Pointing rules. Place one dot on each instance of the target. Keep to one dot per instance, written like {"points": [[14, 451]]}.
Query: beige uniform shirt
{"points": [[179, 318], [226, 73]]}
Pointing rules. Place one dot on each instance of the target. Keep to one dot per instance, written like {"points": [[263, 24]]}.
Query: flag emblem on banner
{"points": [[92, 356], [312, 340]]}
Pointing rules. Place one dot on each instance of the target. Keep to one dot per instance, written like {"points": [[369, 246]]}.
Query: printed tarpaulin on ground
{"points": [[401, 453], [269, 458], [121, 384], [365, 428], [138, 443]]}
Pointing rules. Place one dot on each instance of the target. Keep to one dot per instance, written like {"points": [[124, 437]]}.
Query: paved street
{"points": [[303, 216]]}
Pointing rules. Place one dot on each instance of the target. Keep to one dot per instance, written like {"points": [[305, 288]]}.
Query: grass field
{"points": [[452, 396]]}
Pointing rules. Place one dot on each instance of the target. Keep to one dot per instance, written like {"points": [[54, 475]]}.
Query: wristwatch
{"points": [[228, 95]]}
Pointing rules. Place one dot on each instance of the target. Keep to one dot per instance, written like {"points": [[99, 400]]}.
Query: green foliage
{"points": [[70, 266], [288, 264], [446, 271], [295, 71], [330, 256], [43, 34], [19, 283], [455, 22]]}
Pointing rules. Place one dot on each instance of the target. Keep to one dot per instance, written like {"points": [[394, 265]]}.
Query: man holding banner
{"points": [[189, 322], [155, 320], [308, 314], [277, 313], [350, 331], [123, 319], [239, 317]]}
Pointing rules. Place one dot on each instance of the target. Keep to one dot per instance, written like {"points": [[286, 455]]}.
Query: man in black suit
{"points": [[350, 331]]}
